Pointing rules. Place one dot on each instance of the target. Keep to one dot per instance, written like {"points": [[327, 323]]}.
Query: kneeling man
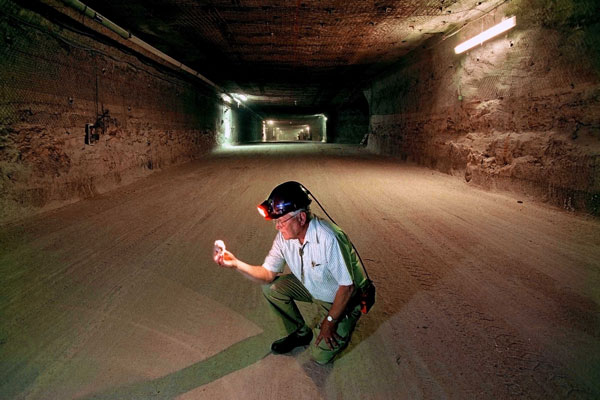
{"points": [[321, 259]]}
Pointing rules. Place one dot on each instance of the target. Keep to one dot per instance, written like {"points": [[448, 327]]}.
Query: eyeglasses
{"points": [[279, 222]]}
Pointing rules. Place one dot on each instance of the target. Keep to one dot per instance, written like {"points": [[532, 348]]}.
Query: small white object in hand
{"points": [[219, 249]]}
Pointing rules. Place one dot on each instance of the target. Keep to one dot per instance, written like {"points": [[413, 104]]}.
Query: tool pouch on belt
{"points": [[366, 297]]}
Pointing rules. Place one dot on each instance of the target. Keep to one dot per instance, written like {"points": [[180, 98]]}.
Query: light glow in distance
{"points": [[485, 35]]}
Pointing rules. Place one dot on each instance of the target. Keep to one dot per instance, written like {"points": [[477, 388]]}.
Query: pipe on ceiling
{"points": [[92, 14]]}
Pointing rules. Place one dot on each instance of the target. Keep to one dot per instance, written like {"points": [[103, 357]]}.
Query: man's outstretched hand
{"points": [[226, 259], [223, 257]]}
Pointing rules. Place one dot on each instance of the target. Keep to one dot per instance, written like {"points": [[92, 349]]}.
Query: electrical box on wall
{"points": [[91, 134]]}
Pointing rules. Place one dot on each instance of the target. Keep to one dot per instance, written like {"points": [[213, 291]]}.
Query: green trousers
{"points": [[282, 294]]}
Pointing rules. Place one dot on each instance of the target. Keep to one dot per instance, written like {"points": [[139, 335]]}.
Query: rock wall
{"points": [[520, 112], [59, 78], [350, 123], [247, 124]]}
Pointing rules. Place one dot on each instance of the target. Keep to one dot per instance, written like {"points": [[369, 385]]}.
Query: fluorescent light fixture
{"points": [[239, 97], [488, 34], [226, 98], [270, 122]]}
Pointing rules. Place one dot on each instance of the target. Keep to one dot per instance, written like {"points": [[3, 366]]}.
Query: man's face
{"points": [[290, 225]]}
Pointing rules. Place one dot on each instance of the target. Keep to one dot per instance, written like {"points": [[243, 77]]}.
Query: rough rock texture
{"points": [[55, 81], [520, 113]]}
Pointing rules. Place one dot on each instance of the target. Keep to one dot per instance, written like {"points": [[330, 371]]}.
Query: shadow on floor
{"points": [[234, 358], [239, 356]]}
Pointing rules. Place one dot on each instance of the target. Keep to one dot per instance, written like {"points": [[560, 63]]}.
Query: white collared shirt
{"points": [[318, 263]]}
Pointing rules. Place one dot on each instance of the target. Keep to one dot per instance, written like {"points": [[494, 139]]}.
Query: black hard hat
{"points": [[287, 197]]}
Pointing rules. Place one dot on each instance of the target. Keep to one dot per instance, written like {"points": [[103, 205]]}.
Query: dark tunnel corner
{"points": [[349, 123]]}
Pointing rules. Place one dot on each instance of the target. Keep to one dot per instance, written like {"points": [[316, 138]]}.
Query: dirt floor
{"points": [[480, 295]]}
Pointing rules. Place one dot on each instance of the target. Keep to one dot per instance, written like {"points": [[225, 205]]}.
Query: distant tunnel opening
{"points": [[302, 128]]}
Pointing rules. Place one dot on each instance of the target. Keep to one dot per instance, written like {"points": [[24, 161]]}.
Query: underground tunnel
{"points": [[455, 142]]}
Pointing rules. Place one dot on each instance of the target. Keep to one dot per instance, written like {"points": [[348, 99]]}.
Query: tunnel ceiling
{"points": [[287, 55]]}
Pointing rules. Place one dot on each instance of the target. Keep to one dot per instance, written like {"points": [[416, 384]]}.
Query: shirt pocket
{"points": [[317, 264]]}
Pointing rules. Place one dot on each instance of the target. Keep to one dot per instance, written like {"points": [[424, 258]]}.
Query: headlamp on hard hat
{"points": [[265, 209], [287, 197]]}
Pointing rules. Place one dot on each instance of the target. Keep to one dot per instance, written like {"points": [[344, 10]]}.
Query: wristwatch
{"points": [[330, 319]]}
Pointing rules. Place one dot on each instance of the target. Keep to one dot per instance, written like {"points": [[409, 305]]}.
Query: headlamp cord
{"points": [[329, 216]]}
